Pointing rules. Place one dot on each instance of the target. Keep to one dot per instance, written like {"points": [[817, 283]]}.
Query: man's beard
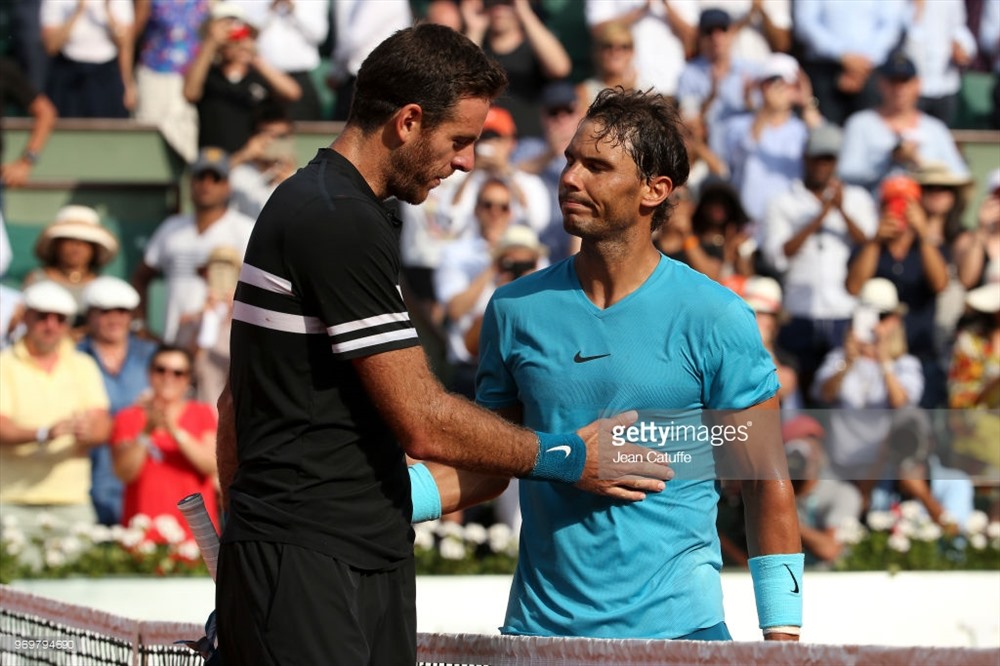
{"points": [[410, 174]]}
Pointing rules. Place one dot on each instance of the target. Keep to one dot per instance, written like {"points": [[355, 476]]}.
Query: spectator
{"points": [[714, 85], [10, 299], [974, 249], [870, 374], [896, 136], [763, 295], [974, 376], [940, 44], [53, 410], [211, 363], [901, 252], [266, 160], [989, 43], [561, 113], [164, 447], [27, 48], [290, 34], [359, 26], [807, 239], [705, 162], [764, 149], [16, 90], [824, 504], [183, 242], [464, 280], [122, 358], [494, 153], [167, 36], [718, 247], [614, 62], [510, 32], [844, 42], [73, 249], [664, 34], [228, 80], [90, 42], [444, 12], [762, 27]]}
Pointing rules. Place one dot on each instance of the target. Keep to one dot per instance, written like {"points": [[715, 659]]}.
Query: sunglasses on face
{"points": [[616, 46], [557, 111], [214, 177], [44, 316], [502, 206], [164, 370], [115, 310]]}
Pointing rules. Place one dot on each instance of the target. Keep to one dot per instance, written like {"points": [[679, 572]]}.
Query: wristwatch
{"points": [[30, 156], [42, 435]]}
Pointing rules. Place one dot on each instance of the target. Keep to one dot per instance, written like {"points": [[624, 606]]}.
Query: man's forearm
{"points": [[225, 445]]}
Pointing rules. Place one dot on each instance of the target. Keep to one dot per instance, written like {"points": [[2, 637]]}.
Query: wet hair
{"points": [[429, 65], [647, 126]]}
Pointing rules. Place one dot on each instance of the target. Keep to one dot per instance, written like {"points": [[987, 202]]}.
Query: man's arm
{"points": [[225, 444], [460, 489], [432, 424], [769, 500]]}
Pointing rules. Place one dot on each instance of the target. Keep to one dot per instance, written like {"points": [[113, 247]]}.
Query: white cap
{"points": [[993, 181], [47, 296], [880, 294], [779, 65], [519, 236], [108, 292], [221, 10], [763, 294], [987, 297]]}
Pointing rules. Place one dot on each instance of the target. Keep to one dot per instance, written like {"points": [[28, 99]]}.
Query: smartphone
{"points": [[863, 324]]}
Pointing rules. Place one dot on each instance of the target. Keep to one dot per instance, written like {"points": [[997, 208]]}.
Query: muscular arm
{"points": [[460, 489], [225, 444]]}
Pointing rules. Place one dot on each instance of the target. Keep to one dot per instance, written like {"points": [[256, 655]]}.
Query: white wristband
{"points": [[42, 435], [788, 629]]}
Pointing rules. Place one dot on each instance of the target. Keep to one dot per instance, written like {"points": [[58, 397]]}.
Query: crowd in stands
{"points": [[826, 188]]}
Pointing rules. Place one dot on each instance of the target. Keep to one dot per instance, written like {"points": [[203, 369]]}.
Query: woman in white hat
{"points": [[73, 249]]}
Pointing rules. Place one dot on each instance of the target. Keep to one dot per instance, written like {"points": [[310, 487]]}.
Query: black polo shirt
{"points": [[318, 467]]}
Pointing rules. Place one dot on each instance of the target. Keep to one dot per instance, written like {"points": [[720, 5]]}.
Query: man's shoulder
{"points": [[236, 219], [175, 223]]}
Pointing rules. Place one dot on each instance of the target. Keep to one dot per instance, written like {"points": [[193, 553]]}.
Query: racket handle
{"points": [[193, 509]]}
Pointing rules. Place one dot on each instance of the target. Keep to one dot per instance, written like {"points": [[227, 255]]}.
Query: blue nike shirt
{"points": [[681, 343]]}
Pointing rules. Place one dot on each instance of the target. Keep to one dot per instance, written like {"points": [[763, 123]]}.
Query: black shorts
{"points": [[282, 604]]}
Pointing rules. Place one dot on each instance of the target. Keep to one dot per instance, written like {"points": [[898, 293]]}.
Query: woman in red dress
{"points": [[164, 446]]}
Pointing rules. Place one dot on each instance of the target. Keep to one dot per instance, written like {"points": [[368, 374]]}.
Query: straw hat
{"points": [[938, 173], [880, 295], [80, 223]]}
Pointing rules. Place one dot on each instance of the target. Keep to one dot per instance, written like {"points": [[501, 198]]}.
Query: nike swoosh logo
{"points": [[561, 447], [796, 590], [579, 358]]}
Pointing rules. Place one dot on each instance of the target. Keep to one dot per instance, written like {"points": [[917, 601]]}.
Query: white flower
{"points": [[993, 530], [929, 531], [71, 545], [147, 547], [189, 550], [15, 541], [907, 528], [140, 521], [81, 530], [118, 532], [911, 510], [977, 541], [881, 521], [169, 528], [850, 531], [54, 558], [899, 543], [452, 549], [101, 533], [500, 537], [475, 533], [448, 528], [423, 537], [47, 521], [132, 538], [977, 522], [8, 522]]}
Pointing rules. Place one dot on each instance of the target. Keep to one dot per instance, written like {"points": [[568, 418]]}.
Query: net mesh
{"points": [[34, 630]]}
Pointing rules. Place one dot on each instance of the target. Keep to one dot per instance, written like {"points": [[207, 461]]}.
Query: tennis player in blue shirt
{"points": [[621, 327]]}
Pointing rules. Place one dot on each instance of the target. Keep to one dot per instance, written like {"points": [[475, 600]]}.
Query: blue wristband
{"points": [[424, 494], [777, 587], [560, 458]]}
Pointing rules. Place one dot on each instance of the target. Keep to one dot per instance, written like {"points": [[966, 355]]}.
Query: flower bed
{"points": [[901, 540]]}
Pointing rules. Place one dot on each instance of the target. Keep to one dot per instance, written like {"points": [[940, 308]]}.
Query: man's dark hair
{"points": [[165, 348], [270, 111], [429, 65], [646, 125]]}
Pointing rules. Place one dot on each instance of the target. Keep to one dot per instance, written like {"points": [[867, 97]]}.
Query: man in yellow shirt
{"points": [[53, 409]]}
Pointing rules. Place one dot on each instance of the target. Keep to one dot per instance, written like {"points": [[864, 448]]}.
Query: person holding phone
{"points": [[901, 252]]}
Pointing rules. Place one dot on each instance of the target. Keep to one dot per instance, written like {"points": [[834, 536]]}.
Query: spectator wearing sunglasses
{"points": [[122, 358], [614, 62], [164, 447], [53, 410], [183, 242]]}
